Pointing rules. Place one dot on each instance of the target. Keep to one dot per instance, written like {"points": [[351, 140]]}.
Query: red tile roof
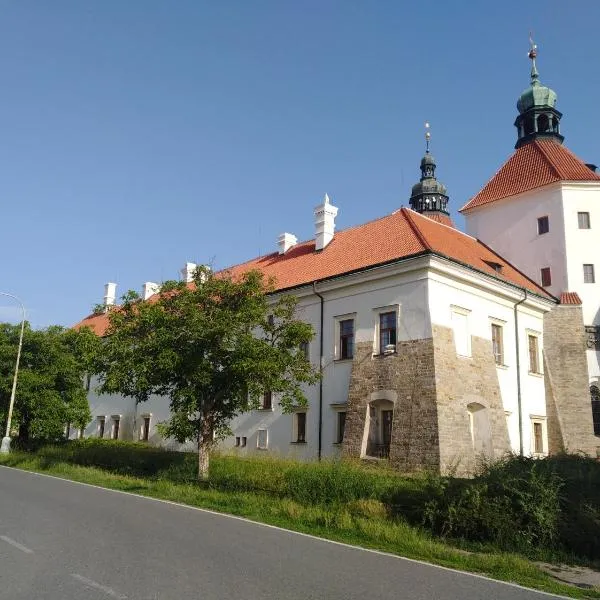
{"points": [[441, 218], [391, 238], [532, 166], [570, 298]]}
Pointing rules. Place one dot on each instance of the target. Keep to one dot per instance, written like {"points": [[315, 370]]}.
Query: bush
{"points": [[522, 503]]}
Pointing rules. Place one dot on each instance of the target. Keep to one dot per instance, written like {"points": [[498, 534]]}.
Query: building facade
{"points": [[436, 348]]}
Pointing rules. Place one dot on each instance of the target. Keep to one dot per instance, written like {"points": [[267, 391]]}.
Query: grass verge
{"points": [[361, 522]]}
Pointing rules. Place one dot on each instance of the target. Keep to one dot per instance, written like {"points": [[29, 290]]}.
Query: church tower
{"points": [[429, 196], [539, 211]]}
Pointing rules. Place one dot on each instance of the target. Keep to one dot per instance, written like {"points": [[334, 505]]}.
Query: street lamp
{"points": [[5, 447]]}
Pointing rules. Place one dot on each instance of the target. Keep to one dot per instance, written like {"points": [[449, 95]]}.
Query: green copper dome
{"points": [[536, 95], [429, 195], [538, 117]]}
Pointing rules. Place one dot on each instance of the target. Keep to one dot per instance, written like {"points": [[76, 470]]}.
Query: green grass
{"points": [[349, 506]]}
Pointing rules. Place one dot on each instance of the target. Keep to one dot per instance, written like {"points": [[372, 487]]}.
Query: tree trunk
{"points": [[203, 461], [205, 440]]}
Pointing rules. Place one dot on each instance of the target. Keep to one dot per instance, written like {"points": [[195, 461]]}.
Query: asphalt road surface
{"points": [[62, 541]]}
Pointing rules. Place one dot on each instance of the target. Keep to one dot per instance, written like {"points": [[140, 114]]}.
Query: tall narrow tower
{"points": [[429, 197]]}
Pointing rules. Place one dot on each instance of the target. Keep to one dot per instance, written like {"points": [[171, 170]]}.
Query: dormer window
{"points": [[494, 265]]}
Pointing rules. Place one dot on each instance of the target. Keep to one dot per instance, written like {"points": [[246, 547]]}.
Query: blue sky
{"points": [[138, 135]]}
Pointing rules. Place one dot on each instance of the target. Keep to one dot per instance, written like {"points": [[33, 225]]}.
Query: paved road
{"points": [[63, 541]]}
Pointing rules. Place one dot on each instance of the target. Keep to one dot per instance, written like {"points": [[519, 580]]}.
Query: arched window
{"points": [[529, 125], [481, 432], [595, 394], [543, 124]]}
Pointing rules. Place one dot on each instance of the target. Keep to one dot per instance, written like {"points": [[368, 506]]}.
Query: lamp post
{"points": [[5, 447]]}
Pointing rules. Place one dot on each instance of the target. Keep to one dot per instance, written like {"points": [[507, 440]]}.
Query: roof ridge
{"points": [[549, 160], [454, 229], [415, 228]]}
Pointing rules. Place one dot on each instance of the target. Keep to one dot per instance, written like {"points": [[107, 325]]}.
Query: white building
{"points": [[431, 344]]}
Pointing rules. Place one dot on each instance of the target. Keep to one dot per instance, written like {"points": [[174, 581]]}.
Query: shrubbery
{"points": [[520, 504]]}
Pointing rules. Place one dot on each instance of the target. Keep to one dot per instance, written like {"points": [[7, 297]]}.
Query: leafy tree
{"points": [[50, 389], [212, 348]]}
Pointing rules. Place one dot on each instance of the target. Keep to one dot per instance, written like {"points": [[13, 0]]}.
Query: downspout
{"points": [[519, 372], [319, 451]]}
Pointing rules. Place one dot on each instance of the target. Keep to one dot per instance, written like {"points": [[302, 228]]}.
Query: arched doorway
{"points": [[481, 432]]}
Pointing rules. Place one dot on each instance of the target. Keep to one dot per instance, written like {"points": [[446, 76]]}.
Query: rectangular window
{"points": [[462, 337], [262, 439], [543, 225], [538, 428], [237, 441], [498, 343], [116, 424], [300, 437], [534, 364], [346, 338], [305, 350], [583, 220], [588, 274], [101, 423], [267, 403], [145, 433], [243, 442], [546, 277], [387, 332], [341, 426]]}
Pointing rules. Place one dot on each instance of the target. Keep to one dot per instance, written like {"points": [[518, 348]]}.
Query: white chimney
{"points": [[149, 289], [324, 223], [110, 294], [286, 241], [187, 273]]}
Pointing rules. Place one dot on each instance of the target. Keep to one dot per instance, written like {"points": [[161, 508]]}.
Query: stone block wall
{"points": [[460, 382], [568, 405], [431, 388], [409, 377]]}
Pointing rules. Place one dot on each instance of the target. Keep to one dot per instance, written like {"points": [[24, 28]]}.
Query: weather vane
{"points": [[532, 54], [427, 135]]}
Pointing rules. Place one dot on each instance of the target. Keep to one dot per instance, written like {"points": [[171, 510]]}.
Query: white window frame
{"points": [[593, 272], [464, 312], [337, 350], [100, 418], [141, 430], [538, 335], [502, 324], [543, 421], [377, 312], [589, 219], [338, 408], [264, 446], [295, 440], [114, 418]]}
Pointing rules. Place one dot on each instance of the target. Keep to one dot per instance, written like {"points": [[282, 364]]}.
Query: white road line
{"points": [[16, 544], [290, 531], [98, 586]]}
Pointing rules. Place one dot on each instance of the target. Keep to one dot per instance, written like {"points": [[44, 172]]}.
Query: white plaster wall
{"points": [[509, 227], [485, 308], [583, 245]]}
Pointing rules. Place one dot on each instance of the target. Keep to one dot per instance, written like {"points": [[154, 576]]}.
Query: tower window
{"points": [[546, 277], [588, 274], [583, 220], [543, 225], [543, 123]]}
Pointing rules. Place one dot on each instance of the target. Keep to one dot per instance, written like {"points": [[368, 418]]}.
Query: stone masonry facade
{"points": [[568, 406], [432, 389]]}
